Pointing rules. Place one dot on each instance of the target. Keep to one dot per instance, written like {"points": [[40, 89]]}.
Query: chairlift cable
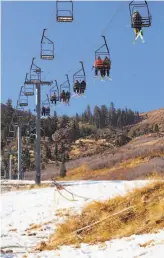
{"points": [[113, 17]]}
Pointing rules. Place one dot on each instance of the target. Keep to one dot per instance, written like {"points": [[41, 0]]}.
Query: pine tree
{"points": [[156, 128], [63, 170], [56, 152], [88, 114], [97, 116], [64, 121], [104, 116]]}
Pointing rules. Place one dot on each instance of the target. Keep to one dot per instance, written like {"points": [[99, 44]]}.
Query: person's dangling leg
{"points": [[102, 72], [136, 34], [96, 71], [141, 35]]}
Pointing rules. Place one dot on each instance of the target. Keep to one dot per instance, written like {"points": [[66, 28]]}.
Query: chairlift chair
{"points": [[55, 89], [23, 100], [14, 122], [64, 15], [143, 9], [35, 73], [46, 103], [65, 86], [100, 52], [28, 88], [19, 110], [80, 75], [47, 48], [11, 134]]}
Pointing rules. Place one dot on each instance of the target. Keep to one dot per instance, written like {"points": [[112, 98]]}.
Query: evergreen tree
{"points": [[97, 116], [104, 116], [156, 128], [48, 153], [63, 170], [64, 121], [56, 152], [88, 114]]}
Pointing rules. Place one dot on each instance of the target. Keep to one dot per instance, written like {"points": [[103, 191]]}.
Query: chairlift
{"points": [[65, 86], [64, 15], [98, 55], [54, 90], [19, 110], [9, 139], [100, 52], [79, 87], [11, 134], [14, 122], [145, 17], [47, 52], [35, 73], [23, 100], [28, 88], [11, 129], [46, 107]]}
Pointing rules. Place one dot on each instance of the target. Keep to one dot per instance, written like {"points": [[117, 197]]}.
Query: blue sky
{"points": [[137, 70]]}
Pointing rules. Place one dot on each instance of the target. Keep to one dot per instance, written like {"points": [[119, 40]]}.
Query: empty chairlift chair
{"points": [[35, 73], [65, 91], [139, 13], [64, 11], [28, 88], [11, 134], [79, 80], [19, 111], [23, 99], [14, 120], [47, 48], [54, 93]]}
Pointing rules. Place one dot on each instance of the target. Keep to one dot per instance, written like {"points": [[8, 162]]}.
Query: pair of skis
{"points": [[78, 95], [103, 78], [139, 34]]}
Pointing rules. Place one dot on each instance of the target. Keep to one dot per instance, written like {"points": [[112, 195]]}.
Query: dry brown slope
{"points": [[153, 117]]}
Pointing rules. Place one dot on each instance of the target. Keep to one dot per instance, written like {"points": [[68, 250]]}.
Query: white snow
{"points": [[20, 209]]}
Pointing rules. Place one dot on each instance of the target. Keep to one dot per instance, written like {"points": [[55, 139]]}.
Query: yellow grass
{"points": [[28, 187], [83, 172], [144, 214], [149, 143], [38, 226]]}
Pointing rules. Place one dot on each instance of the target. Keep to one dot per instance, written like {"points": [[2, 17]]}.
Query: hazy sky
{"points": [[137, 70]]}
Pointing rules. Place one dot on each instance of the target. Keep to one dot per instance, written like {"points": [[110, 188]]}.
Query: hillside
{"points": [[110, 152], [149, 119]]}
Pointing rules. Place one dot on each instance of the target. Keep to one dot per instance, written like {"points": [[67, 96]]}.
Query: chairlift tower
{"points": [[35, 79]]}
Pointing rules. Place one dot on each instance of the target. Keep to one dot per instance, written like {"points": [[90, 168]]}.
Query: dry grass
{"points": [[13, 230], [150, 242], [84, 172], [146, 215], [28, 187], [38, 226]]}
